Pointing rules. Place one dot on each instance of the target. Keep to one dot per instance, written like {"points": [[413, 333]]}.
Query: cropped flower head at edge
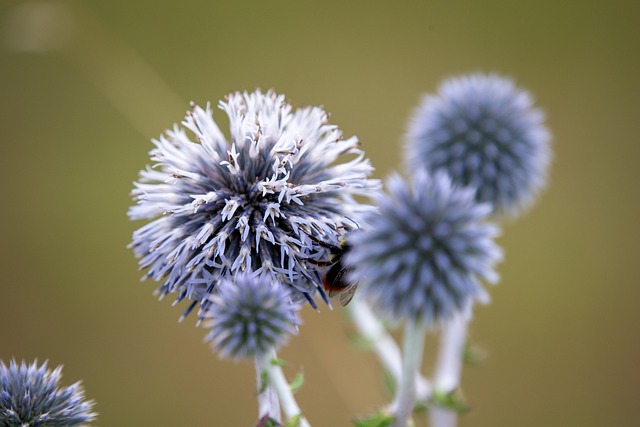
{"points": [[250, 316], [30, 396], [424, 254], [253, 202], [484, 132]]}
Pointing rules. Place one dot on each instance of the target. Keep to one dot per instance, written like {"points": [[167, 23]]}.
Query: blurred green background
{"points": [[84, 86]]}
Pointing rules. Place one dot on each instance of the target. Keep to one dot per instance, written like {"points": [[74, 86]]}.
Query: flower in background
{"points": [[422, 256], [252, 202], [485, 133], [29, 396], [250, 316]]}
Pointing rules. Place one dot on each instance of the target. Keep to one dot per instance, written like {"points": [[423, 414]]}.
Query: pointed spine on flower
{"points": [[250, 201], [250, 316], [31, 396], [423, 255]]}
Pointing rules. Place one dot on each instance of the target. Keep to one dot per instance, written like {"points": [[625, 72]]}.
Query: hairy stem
{"points": [[278, 381], [448, 371], [413, 347], [384, 345], [268, 404]]}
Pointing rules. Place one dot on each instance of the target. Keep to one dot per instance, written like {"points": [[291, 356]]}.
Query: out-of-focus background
{"points": [[84, 86]]}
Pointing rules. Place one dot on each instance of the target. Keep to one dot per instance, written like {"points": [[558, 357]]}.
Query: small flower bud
{"points": [[250, 316]]}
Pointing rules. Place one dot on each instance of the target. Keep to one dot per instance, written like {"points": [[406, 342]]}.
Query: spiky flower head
{"points": [[221, 205], [30, 397], [485, 133], [423, 255], [250, 315]]}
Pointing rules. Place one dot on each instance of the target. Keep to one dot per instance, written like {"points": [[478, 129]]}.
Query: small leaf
{"points": [[264, 381], [379, 419], [389, 383], [473, 355], [361, 343], [297, 382], [278, 362], [420, 405], [453, 400], [267, 421], [294, 421]]}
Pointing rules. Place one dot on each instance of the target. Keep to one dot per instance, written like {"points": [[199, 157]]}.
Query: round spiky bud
{"points": [[484, 132], [250, 316], [422, 256], [30, 397]]}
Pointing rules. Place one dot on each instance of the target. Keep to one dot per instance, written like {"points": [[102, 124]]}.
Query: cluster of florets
{"points": [[30, 396], [475, 150], [242, 224], [484, 132], [250, 315], [255, 201], [422, 255]]}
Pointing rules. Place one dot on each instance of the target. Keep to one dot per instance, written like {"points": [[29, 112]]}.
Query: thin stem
{"points": [[413, 347], [279, 383], [442, 417], [268, 404], [448, 371], [384, 345]]}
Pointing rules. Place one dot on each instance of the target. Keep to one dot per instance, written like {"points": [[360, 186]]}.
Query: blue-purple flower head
{"points": [[424, 254], [250, 316], [484, 132], [31, 396], [249, 201]]}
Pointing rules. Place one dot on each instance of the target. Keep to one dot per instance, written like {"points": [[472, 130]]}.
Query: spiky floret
{"points": [[422, 256], [250, 316], [30, 396], [485, 133], [221, 206]]}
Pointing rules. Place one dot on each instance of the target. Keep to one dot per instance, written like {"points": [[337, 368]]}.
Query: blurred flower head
{"points": [[248, 202], [422, 256], [485, 133], [29, 396], [250, 316]]}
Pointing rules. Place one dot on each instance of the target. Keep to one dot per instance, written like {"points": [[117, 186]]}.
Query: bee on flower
{"points": [[256, 199]]}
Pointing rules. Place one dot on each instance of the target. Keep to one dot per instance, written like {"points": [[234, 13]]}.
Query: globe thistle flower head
{"points": [[30, 396], [249, 316], [423, 255], [219, 206], [485, 133]]}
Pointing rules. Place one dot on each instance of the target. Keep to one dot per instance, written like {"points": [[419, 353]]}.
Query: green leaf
{"points": [[389, 383], [379, 419], [272, 423], [361, 343], [278, 362], [473, 355], [294, 421], [420, 406], [267, 421], [297, 382], [264, 381], [453, 400]]}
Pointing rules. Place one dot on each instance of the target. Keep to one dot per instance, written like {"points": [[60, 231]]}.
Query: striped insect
{"points": [[335, 280]]}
